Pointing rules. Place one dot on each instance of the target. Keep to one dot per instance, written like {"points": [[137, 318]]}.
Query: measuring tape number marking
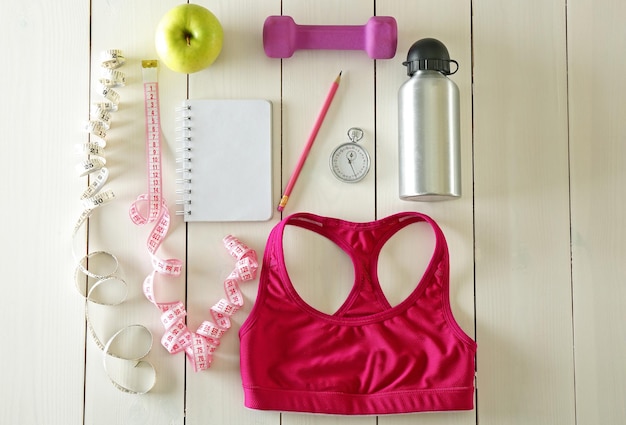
{"points": [[93, 165]]}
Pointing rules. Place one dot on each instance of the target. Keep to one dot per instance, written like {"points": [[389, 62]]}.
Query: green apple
{"points": [[188, 38]]}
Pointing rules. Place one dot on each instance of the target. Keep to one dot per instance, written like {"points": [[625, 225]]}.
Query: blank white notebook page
{"points": [[228, 173]]}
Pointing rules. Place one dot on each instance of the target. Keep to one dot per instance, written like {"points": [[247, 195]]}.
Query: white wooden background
{"points": [[537, 241]]}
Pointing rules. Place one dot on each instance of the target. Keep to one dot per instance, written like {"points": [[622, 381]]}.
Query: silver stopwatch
{"points": [[350, 162]]}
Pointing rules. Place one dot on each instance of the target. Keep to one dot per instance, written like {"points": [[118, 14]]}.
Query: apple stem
{"points": [[188, 40]]}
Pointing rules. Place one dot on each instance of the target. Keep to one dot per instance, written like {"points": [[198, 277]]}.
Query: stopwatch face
{"points": [[350, 162]]}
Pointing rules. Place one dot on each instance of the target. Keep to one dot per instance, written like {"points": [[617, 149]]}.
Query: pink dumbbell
{"points": [[378, 37]]}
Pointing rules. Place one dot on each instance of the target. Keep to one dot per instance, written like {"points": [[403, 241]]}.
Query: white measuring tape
{"points": [[88, 280]]}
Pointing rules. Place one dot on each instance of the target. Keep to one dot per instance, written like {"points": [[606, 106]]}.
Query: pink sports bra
{"points": [[367, 358]]}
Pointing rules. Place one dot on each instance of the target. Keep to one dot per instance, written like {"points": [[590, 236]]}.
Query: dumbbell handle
{"points": [[331, 37]]}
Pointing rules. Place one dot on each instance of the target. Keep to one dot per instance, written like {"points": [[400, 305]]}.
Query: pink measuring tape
{"points": [[157, 211], [198, 346]]}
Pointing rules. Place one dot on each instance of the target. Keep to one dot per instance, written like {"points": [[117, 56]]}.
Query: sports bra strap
{"points": [[383, 229]]}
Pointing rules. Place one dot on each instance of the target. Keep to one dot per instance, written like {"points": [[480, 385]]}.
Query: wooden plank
{"points": [[307, 77], [312, 261], [240, 72], [130, 26], [523, 288], [449, 22], [44, 74], [596, 36]]}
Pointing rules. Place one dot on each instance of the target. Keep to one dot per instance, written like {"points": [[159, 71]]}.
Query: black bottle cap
{"points": [[429, 53]]}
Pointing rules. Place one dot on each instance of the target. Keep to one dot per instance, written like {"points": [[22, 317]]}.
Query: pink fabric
{"points": [[368, 357]]}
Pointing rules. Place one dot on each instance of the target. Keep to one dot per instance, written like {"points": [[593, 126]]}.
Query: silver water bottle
{"points": [[428, 125]]}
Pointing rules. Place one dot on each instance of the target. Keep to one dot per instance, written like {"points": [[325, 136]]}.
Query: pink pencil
{"points": [[309, 143]]}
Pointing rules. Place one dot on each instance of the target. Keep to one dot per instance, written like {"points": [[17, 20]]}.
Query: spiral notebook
{"points": [[226, 156]]}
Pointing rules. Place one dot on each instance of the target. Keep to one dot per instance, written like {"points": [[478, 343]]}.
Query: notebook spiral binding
{"points": [[184, 152]]}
